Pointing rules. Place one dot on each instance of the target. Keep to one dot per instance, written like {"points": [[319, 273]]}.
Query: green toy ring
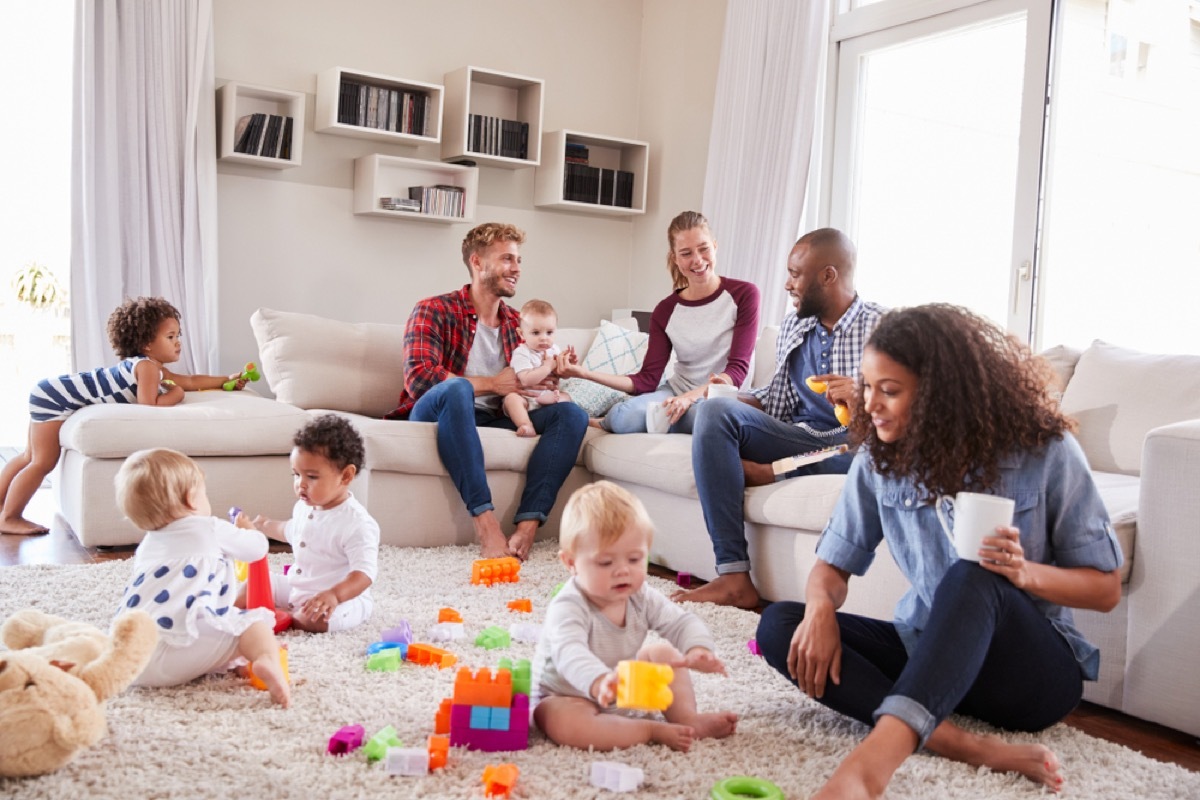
{"points": [[743, 786]]}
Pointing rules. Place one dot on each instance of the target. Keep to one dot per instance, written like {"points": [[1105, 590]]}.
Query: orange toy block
{"points": [[449, 615], [644, 685], [441, 720], [483, 688], [426, 654], [495, 570], [499, 779], [439, 751], [256, 681], [521, 604]]}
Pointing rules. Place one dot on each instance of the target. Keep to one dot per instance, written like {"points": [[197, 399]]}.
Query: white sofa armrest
{"points": [[1162, 683]]}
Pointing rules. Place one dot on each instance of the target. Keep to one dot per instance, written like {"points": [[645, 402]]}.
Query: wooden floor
{"points": [[60, 547]]}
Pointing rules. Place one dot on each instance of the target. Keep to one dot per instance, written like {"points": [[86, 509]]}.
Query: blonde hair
{"points": [[683, 222], [605, 509], [153, 486], [484, 236], [538, 308]]}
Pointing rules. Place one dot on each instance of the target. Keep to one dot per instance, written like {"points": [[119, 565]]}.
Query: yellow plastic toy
{"points": [[840, 410], [257, 682], [644, 685]]}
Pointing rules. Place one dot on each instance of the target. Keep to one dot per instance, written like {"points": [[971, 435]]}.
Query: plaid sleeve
{"points": [[425, 348]]}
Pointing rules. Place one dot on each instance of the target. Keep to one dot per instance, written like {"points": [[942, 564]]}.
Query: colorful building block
{"points": [[481, 718], [378, 647], [347, 739], [616, 777], [426, 655], [384, 661], [501, 719], [644, 685], [401, 633], [407, 761], [491, 740], [558, 587], [483, 688], [257, 683], [525, 631], [446, 632], [499, 779], [495, 570], [441, 720], [752, 646], [449, 615], [439, 750], [522, 675], [377, 746], [493, 637], [683, 579], [522, 604]]}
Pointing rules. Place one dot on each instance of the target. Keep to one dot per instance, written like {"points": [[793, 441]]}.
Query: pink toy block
{"points": [[491, 741], [752, 646], [683, 579], [347, 739]]}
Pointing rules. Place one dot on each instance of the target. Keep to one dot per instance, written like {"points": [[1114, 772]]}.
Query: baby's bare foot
{"points": [[526, 431], [269, 670], [676, 737], [715, 726]]}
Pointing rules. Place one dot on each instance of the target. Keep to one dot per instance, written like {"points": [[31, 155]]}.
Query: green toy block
{"points": [[493, 637], [522, 677], [384, 661], [377, 746]]}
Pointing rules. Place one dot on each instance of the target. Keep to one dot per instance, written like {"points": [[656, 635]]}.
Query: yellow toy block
{"points": [[644, 685], [495, 570], [257, 682]]}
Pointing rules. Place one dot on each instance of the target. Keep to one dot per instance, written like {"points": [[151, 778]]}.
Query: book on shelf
{"points": [[440, 200], [597, 185], [384, 108], [493, 136], [268, 135]]}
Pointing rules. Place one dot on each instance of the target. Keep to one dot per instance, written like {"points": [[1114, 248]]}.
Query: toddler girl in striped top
{"points": [[144, 332]]}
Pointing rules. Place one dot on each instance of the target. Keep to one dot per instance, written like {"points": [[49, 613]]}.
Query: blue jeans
{"points": [[726, 431], [561, 426], [629, 416], [987, 652]]}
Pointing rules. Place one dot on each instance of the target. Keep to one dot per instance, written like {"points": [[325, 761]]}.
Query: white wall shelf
{"points": [[472, 90], [378, 175], [329, 88], [606, 152], [237, 100]]}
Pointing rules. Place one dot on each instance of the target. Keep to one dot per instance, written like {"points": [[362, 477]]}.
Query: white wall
{"points": [[643, 69]]}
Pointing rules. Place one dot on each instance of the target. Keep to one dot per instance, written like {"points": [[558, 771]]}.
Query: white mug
{"points": [[716, 390], [657, 420], [976, 516]]}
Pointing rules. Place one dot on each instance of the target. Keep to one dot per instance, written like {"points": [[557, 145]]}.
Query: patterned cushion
{"points": [[615, 350]]}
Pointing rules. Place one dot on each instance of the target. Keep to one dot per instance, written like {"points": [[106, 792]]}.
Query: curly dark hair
{"points": [[334, 438], [980, 395], [135, 323]]}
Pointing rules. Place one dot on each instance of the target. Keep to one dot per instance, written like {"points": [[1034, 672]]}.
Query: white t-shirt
{"points": [[485, 360], [330, 544]]}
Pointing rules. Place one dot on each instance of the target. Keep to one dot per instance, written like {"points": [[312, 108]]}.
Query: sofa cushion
{"points": [[1120, 395], [1062, 361], [1119, 493], [315, 362], [204, 424], [660, 461], [804, 503], [615, 350]]}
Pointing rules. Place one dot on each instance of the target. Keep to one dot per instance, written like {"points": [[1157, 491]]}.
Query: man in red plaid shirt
{"points": [[457, 348]]}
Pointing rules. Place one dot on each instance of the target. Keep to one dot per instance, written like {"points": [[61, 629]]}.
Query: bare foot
{"points": [[844, 787], [757, 474], [492, 543], [1036, 762], [732, 589], [594, 422], [715, 726], [520, 543], [676, 737], [22, 527], [268, 670], [526, 431]]}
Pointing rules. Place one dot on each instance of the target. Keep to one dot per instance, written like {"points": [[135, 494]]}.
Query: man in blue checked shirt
{"points": [[734, 441]]}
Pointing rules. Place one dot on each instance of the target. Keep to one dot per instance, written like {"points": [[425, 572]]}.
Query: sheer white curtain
{"points": [[143, 193], [765, 118]]}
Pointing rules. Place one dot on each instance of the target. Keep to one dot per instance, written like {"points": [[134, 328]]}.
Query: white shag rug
{"points": [[219, 737]]}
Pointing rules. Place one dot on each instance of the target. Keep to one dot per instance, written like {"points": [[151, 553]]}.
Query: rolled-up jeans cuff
{"points": [[524, 515], [477, 510], [733, 566], [911, 713]]}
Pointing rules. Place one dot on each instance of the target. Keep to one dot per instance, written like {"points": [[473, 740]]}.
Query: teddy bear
{"points": [[54, 681]]}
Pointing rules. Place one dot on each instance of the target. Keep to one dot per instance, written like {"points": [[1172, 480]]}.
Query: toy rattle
{"points": [[840, 410], [250, 373]]}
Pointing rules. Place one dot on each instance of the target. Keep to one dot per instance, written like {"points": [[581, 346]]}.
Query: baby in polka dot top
{"points": [[183, 576]]}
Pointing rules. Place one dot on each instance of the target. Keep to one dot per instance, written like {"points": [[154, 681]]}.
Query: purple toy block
{"points": [[683, 579], [402, 633], [752, 645], [491, 741], [348, 739]]}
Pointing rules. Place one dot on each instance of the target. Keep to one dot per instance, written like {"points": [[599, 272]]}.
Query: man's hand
{"points": [[840, 389], [506, 382]]}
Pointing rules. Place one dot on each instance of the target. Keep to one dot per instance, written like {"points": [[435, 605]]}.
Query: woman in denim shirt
{"points": [[950, 403]]}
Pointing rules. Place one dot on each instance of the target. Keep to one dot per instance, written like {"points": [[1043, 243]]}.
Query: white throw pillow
{"points": [[615, 350], [1120, 395]]}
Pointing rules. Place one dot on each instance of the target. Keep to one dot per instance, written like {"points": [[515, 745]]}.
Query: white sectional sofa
{"points": [[1139, 425]]}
